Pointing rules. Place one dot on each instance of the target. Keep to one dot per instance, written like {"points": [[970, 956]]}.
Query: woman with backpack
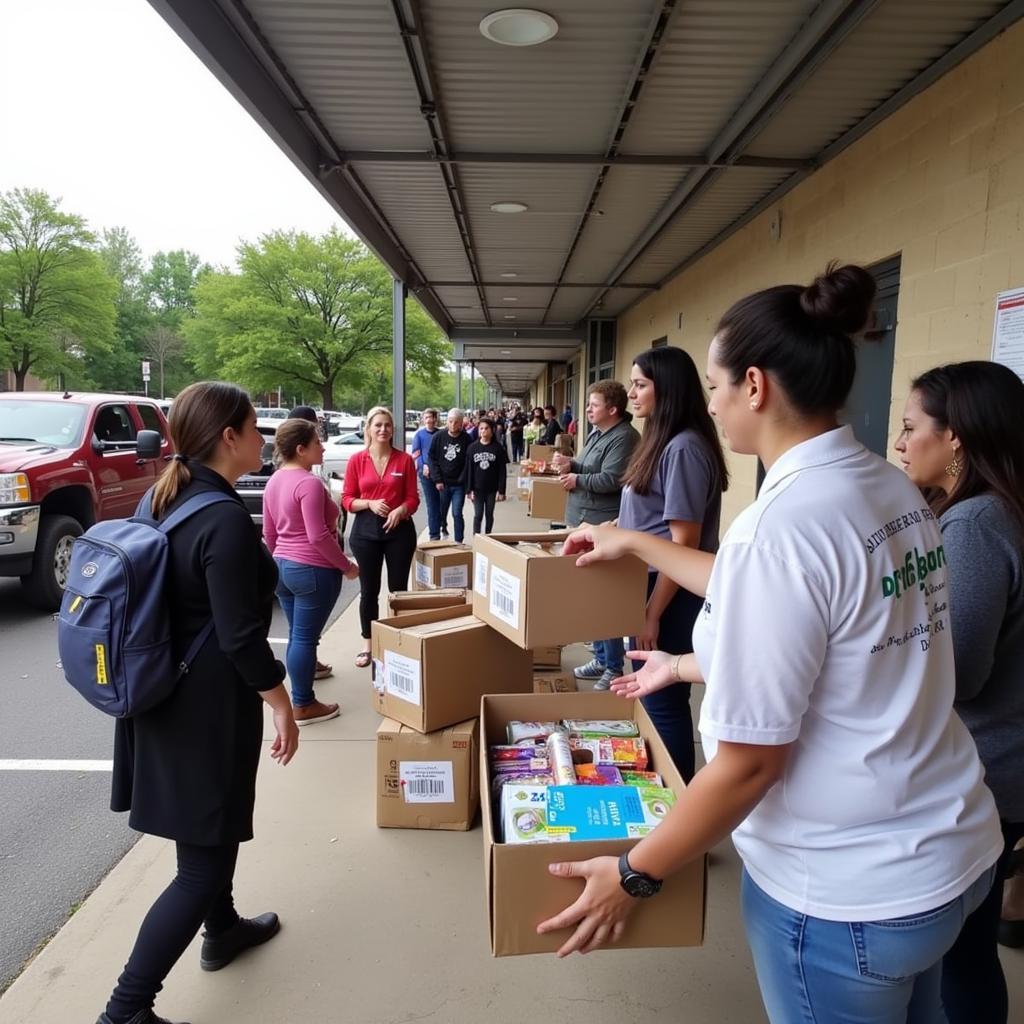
{"points": [[186, 769]]}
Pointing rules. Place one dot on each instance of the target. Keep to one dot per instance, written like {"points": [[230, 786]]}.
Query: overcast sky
{"points": [[102, 104]]}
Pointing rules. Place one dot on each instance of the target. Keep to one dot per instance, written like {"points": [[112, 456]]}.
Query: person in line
{"points": [[516, 424], [300, 526], [673, 489], [854, 794], [534, 428], [485, 475], [962, 442], [380, 490], [566, 418], [552, 428], [186, 769], [420, 453], [594, 483], [447, 469]]}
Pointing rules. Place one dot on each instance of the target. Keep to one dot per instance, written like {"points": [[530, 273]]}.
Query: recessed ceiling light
{"points": [[510, 316], [509, 273], [509, 206], [510, 298], [505, 352], [518, 26]]}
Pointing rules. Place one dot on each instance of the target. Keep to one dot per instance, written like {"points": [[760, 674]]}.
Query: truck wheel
{"points": [[44, 585]]}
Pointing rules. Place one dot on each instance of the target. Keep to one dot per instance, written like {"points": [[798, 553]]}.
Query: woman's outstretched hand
{"points": [[655, 674], [602, 543]]}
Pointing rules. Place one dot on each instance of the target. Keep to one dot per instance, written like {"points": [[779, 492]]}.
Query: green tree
{"points": [[170, 283], [56, 297], [309, 314]]}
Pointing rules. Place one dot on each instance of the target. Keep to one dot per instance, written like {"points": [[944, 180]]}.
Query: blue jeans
{"points": [[813, 971], [611, 653], [307, 594], [432, 500], [454, 497]]}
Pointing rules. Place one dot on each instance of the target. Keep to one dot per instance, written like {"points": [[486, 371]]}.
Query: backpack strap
{"points": [[194, 648], [184, 511]]}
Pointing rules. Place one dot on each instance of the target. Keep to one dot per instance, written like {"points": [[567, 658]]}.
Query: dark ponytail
{"points": [[199, 416], [801, 336]]}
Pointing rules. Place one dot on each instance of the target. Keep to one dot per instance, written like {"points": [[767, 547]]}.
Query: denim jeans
{"points": [[432, 500], [611, 653], [307, 594], [454, 497], [813, 971]]}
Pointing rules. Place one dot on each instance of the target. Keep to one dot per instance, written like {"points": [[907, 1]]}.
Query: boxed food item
{"points": [[431, 668], [521, 892], [526, 589], [442, 563], [427, 780], [584, 813], [405, 601], [544, 657], [547, 499], [554, 682]]}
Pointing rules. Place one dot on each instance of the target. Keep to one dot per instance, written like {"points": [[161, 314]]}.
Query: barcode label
{"points": [[480, 563], [455, 576], [504, 597], [427, 782], [402, 677], [423, 574]]}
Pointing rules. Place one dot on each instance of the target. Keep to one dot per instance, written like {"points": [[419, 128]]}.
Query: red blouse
{"points": [[397, 485]]}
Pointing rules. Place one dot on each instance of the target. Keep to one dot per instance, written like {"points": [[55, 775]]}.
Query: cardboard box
{"points": [[541, 452], [405, 601], [554, 682], [520, 891], [442, 564], [547, 657], [547, 499], [566, 444], [431, 668], [527, 591], [427, 780]]}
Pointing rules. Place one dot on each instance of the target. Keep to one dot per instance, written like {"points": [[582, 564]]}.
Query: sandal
{"points": [[363, 659]]}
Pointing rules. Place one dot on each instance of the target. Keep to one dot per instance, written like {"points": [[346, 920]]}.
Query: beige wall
{"points": [[940, 182]]}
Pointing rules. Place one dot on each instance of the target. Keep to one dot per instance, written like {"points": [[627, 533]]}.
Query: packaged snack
{"points": [[560, 756], [584, 813], [529, 733], [524, 753], [621, 752], [596, 728], [507, 768], [498, 784], [524, 815], [598, 775], [635, 778]]}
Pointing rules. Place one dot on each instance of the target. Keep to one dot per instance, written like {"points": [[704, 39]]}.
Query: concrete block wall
{"points": [[940, 182]]}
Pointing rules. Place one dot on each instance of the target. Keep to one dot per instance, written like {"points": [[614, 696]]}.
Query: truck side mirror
{"points": [[147, 444]]}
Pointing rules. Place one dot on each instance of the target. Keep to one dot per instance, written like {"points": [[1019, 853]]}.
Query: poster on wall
{"points": [[1008, 331]]}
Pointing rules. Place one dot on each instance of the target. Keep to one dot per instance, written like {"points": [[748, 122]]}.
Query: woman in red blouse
{"points": [[380, 489]]}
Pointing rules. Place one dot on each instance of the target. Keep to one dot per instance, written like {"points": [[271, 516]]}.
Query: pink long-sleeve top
{"points": [[300, 520], [396, 485]]}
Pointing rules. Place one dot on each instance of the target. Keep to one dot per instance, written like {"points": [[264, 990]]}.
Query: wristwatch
{"points": [[636, 883]]}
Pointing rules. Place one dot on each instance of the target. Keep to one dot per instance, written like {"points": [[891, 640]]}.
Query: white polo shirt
{"points": [[826, 625]]}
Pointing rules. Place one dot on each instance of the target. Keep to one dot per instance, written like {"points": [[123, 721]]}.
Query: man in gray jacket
{"points": [[594, 483]]}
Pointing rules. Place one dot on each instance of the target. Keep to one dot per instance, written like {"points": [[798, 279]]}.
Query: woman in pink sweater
{"points": [[300, 527]]}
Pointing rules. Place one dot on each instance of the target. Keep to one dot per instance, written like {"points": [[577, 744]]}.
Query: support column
{"points": [[472, 385], [398, 362], [458, 385]]}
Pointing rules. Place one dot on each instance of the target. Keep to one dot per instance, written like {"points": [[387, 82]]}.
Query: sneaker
{"points": [[592, 670], [323, 671], [608, 676], [219, 950], [309, 714], [146, 1016]]}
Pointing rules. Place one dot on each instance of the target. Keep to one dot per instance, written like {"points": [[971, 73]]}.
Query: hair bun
{"points": [[841, 298]]}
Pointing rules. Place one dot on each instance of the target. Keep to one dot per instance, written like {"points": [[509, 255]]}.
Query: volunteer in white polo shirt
{"points": [[854, 794]]}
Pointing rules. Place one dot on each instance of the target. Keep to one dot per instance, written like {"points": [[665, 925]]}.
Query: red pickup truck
{"points": [[68, 461]]}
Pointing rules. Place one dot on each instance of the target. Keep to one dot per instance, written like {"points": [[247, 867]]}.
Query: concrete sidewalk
{"points": [[380, 926]]}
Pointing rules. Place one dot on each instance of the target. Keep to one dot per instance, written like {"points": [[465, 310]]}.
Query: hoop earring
{"points": [[955, 467]]}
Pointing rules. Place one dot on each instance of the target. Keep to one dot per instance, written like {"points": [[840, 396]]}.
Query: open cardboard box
{"points": [[526, 590], [403, 602], [520, 891]]}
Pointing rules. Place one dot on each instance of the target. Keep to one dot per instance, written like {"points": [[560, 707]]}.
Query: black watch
{"points": [[636, 883]]}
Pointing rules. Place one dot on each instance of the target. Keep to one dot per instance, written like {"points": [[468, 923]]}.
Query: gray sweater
{"points": [[985, 551], [599, 471]]}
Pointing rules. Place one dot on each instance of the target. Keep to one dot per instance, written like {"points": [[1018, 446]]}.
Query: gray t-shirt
{"points": [[686, 487]]}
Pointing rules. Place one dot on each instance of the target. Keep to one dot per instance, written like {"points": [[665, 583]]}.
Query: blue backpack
{"points": [[114, 628]]}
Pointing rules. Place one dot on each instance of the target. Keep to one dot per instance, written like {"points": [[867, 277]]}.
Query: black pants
{"points": [[670, 708], [372, 548], [483, 510], [973, 985], [199, 895], [517, 446]]}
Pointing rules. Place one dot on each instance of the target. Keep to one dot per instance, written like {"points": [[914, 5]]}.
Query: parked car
{"points": [[68, 460], [337, 451]]}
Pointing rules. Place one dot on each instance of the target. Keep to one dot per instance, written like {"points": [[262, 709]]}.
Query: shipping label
{"points": [[402, 677], [423, 574], [455, 576], [480, 564], [426, 782], [504, 597]]}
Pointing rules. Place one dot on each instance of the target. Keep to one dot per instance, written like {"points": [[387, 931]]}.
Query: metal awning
{"points": [[638, 138]]}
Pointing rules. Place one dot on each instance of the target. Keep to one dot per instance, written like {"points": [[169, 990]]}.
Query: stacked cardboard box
{"points": [[545, 657], [554, 682], [403, 602], [442, 564], [547, 499]]}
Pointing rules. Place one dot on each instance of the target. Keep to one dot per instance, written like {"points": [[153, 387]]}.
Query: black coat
{"points": [[186, 770]]}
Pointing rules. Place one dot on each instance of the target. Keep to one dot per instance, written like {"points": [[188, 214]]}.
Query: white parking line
{"points": [[29, 765]]}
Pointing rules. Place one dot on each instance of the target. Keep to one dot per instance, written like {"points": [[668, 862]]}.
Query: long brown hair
{"points": [[679, 404], [289, 436], [199, 416]]}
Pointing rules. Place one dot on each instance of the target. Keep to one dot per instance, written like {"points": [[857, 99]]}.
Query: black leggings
{"points": [[199, 895], [516, 441], [483, 503], [372, 548]]}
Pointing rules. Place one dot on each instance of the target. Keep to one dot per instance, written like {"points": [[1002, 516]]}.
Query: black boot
{"points": [[219, 950], [142, 1017]]}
